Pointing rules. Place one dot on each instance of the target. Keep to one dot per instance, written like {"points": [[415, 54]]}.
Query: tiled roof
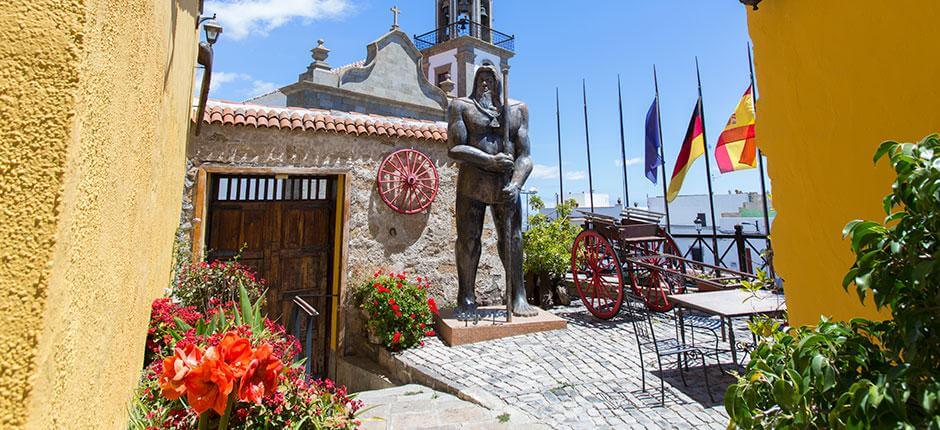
{"points": [[318, 120]]}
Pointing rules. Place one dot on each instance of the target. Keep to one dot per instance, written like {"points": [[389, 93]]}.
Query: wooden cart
{"points": [[634, 250]]}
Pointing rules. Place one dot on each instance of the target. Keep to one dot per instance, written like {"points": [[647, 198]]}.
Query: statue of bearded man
{"points": [[491, 173]]}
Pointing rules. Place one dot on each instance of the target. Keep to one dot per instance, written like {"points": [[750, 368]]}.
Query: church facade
{"points": [[288, 182]]}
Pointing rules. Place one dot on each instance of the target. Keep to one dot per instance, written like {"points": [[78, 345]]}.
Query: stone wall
{"points": [[378, 237]]}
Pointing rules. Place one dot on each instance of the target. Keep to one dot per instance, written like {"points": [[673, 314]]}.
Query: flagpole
{"points": [[708, 170], [561, 177], [623, 149], [760, 165], [662, 156], [587, 141]]}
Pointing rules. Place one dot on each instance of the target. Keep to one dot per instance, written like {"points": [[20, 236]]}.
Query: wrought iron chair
{"points": [[647, 340], [693, 320]]}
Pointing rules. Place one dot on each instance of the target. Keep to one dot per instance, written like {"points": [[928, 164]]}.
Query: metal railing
{"points": [[302, 319], [743, 245], [465, 28]]}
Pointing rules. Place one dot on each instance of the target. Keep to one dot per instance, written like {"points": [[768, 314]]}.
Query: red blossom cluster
{"points": [[208, 378], [399, 310]]}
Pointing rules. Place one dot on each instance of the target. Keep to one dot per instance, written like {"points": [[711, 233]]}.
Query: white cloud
{"points": [[241, 18], [262, 87], [542, 171], [222, 78], [630, 161], [575, 175]]}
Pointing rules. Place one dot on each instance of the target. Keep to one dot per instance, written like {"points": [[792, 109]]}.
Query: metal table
{"points": [[729, 304]]}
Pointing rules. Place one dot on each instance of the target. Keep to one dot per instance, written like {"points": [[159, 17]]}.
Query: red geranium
{"points": [[433, 305]]}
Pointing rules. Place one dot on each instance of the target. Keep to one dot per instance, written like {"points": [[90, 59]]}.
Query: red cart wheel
{"points": [[407, 181], [597, 274], [653, 285]]}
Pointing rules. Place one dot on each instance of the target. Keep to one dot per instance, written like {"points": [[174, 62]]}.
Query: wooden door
{"points": [[283, 228]]}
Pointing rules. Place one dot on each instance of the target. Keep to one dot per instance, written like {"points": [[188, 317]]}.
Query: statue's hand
{"points": [[510, 192], [501, 163]]}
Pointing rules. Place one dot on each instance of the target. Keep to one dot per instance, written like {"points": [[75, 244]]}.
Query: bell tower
{"points": [[463, 40]]}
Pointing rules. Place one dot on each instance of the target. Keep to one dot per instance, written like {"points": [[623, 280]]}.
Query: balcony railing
{"points": [[465, 28]]}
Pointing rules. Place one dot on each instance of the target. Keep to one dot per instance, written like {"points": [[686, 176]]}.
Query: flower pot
{"points": [[374, 338]]}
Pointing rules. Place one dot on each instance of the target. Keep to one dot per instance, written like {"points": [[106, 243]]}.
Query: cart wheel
{"points": [[597, 274], [651, 284]]}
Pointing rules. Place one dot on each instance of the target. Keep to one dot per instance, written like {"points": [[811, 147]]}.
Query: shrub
{"points": [[547, 242], [398, 311], [204, 285], [864, 374], [273, 399]]}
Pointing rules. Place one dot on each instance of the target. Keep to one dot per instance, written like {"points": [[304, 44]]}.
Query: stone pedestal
{"points": [[494, 326]]}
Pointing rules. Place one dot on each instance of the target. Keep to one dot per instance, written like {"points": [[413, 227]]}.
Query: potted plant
{"points": [[547, 252], [398, 311]]}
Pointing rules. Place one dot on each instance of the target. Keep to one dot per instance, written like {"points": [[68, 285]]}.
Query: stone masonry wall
{"points": [[378, 237]]}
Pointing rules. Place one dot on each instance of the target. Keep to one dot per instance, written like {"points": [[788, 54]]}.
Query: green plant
{"points": [[206, 285], [547, 242], [398, 311], [864, 374]]}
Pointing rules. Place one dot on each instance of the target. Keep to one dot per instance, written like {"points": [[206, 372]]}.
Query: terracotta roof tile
{"points": [[318, 120]]}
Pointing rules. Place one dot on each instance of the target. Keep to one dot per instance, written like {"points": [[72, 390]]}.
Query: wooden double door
{"points": [[283, 228]]}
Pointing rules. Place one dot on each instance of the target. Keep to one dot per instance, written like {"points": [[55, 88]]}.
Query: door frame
{"points": [[200, 200]]}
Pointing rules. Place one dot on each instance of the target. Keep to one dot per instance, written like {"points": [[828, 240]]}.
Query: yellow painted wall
{"points": [[835, 79], [94, 102]]}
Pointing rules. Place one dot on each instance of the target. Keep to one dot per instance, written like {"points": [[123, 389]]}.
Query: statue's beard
{"points": [[486, 100]]}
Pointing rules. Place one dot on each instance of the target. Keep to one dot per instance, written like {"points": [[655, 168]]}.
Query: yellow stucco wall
{"points": [[94, 102], [835, 79]]}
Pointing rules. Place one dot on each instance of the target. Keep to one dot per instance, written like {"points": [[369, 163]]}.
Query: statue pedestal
{"points": [[493, 326]]}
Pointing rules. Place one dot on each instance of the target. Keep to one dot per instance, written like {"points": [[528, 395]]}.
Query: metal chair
{"points": [[646, 339]]}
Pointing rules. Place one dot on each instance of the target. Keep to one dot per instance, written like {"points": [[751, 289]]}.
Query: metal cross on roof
{"points": [[395, 11]]}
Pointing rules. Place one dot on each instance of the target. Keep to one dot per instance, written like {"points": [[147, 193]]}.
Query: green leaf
{"points": [[883, 149]]}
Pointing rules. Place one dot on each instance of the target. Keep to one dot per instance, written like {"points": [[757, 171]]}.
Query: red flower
{"points": [[429, 333], [261, 377], [377, 285], [235, 352], [433, 306], [396, 337], [177, 368], [413, 316], [391, 300], [397, 314], [421, 325], [395, 308], [208, 386]]}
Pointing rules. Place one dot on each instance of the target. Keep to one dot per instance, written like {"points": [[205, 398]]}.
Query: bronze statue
{"points": [[491, 173]]}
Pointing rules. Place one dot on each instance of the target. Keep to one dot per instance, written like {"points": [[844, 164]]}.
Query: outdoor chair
{"points": [[648, 341], [693, 320]]}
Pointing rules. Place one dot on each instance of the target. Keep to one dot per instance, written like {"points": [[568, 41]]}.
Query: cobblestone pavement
{"points": [[586, 376], [413, 406]]}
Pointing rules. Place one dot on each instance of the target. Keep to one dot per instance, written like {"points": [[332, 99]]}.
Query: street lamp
{"points": [[212, 29], [204, 58]]}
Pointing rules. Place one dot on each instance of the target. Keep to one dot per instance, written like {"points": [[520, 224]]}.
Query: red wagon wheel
{"points": [[407, 181], [597, 274], [654, 285]]}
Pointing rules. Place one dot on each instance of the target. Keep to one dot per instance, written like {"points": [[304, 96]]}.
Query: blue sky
{"points": [[267, 43]]}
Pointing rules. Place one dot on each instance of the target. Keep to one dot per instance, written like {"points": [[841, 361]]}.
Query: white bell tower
{"points": [[463, 40]]}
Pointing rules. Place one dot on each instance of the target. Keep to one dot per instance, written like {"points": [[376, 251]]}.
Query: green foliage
{"points": [[206, 285], [864, 374], [397, 310], [547, 243]]}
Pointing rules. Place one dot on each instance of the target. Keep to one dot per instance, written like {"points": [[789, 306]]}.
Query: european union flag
{"points": [[653, 161]]}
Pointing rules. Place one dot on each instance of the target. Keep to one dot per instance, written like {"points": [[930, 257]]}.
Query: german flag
{"points": [[693, 146], [737, 146]]}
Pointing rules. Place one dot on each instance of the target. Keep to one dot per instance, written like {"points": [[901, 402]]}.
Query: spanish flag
{"points": [[737, 146], [693, 146]]}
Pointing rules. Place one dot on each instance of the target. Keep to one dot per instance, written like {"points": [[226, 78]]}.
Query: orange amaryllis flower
{"points": [[261, 378], [235, 351], [176, 368], [209, 384]]}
